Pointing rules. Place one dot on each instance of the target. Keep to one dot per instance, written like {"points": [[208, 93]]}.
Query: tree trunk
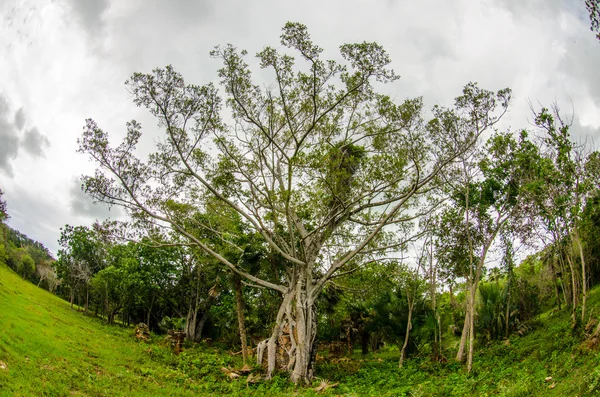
{"points": [[439, 321], [292, 344], [583, 276], [237, 282], [150, 312], [473, 294], [460, 356], [555, 282], [507, 313], [305, 327], [471, 335], [566, 289], [574, 288], [191, 323], [87, 298], [411, 302]]}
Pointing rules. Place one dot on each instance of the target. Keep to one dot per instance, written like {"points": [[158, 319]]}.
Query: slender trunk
{"points": [[460, 356], [106, 307], [583, 276], [473, 294], [568, 297], [150, 311], [469, 313], [72, 298], [451, 292], [240, 315], [349, 337], [554, 281], [433, 277], [411, 301], [439, 321], [507, 313], [471, 336], [87, 298], [573, 287]]}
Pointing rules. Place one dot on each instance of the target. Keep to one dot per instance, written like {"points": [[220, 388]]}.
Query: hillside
{"points": [[48, 349]]}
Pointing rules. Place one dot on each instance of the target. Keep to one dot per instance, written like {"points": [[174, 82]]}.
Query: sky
{"points": [[62, 61]]}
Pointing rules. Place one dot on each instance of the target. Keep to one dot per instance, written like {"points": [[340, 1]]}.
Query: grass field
{"points": [[48, 349]]}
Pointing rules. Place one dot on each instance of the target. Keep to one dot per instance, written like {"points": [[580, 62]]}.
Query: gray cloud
{"points": [[20, 119], [9, 138], [89, 14], [581, 62], [590, 135], [32, 141], [431, 44], [546, 8], [8, 149], [83, 205]]}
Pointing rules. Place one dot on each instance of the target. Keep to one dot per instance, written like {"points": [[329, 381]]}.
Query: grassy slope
{"points": [[49, 349]]}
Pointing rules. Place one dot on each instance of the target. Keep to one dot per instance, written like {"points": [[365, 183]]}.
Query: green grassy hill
{"points": [[48, 349]]}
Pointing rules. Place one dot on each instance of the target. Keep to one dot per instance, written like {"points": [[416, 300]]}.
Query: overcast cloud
{"points": [[13, 136], [62, 61]]}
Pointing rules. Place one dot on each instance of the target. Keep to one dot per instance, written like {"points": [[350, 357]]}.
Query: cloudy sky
{"points": [[62, 61]]}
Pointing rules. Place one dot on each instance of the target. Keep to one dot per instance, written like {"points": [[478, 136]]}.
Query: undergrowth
{"points": [[48, 349]]}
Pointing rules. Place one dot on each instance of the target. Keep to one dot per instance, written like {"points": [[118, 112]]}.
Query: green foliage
{"points": [[593, 7], [3, 209], [26, 266], [590, 235]]}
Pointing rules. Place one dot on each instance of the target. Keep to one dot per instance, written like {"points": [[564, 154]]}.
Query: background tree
{"points": [[26, 266], [80, 257], [489, 197], [562, 198]]}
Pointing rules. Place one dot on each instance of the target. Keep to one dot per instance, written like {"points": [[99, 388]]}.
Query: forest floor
{"points": [[48, 349]]}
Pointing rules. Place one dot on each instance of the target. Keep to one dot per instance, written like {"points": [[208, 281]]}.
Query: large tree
{"points": [[327, 170]]}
